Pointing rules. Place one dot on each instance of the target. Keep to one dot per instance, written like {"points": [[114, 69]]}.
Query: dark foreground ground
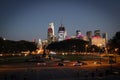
{"points": [[28, 72]]}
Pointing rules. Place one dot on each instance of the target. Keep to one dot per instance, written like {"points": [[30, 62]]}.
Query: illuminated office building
{"points": [[51, 34], [97, 33], [79, 34], [89, 34], [62, 33], [98, 41], [105, 36]]}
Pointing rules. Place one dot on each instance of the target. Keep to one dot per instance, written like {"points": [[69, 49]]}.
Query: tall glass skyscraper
{"points": [[51, 33], [61, 33]]}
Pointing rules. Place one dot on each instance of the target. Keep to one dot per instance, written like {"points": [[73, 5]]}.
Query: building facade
{"points": [[97, 33], [98, 41], [79, 34], [51, 34], [62, 33]]}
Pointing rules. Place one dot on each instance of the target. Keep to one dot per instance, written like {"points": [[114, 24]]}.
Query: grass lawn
{"points": [[13, 59], [71, 57]]}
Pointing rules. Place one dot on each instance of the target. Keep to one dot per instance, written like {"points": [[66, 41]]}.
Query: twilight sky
{"points": [[29, 19]]}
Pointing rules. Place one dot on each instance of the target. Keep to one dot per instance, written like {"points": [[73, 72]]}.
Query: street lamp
{"points": [[74, 49], [86, 48], [116, 49], [93, 53], [106, 51], [100, 51], [111, 62]]}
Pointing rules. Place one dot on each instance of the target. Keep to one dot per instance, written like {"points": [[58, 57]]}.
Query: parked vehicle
{"points": [[66, 61], [97, 62], [41, 63], [79, 63], [60, 64]]}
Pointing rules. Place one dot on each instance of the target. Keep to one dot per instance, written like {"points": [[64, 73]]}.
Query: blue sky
{"points": [[29, 19]]}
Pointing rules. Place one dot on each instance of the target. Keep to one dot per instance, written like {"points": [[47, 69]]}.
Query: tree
{"points": [[9, 46], [115, 42], [71, 45], [26, 45]]}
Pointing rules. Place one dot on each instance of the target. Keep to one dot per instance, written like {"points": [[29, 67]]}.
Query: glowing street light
{"points": [[116, 49], [100, 46], [86, 48]]}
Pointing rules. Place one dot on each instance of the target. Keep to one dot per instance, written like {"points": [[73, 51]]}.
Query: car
{"points": [[79, 63], [97, 62], [41, 63], [60, 64], [66, 61]]}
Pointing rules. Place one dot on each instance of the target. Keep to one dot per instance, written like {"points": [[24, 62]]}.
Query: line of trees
{"points": [[9, 46], [114, 43], [73, 45], [78, 45]]}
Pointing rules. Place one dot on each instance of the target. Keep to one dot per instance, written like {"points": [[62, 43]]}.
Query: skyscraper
{"points": [[99, 40], [97, 33], [79, 34], [61, 33], [89, 34], [51, 25], [105, 36], [51, 32], [39, 44]]}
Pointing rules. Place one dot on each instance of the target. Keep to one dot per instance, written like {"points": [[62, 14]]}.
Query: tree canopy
{"points": [[9, 46], [71, 45], [115, 42]]}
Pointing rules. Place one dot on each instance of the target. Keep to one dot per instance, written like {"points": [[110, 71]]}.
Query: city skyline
{"points": [[29, 19]]}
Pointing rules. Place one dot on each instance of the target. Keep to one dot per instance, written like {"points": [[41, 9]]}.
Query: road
{"points": [[30, 71]]}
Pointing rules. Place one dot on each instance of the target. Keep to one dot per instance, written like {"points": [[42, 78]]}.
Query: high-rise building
{"points": [[98, 41], [61, 33], [89, 34], [79, 34], [51, 25], [51, 32], [65, 33], [40, 43], [97, 33], [105, 36]]}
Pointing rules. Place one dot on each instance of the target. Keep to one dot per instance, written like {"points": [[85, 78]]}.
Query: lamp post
{"points": [[93, 53], [116, 49], [106, 51], [86, 48], [100, 50], [74, 49]]}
